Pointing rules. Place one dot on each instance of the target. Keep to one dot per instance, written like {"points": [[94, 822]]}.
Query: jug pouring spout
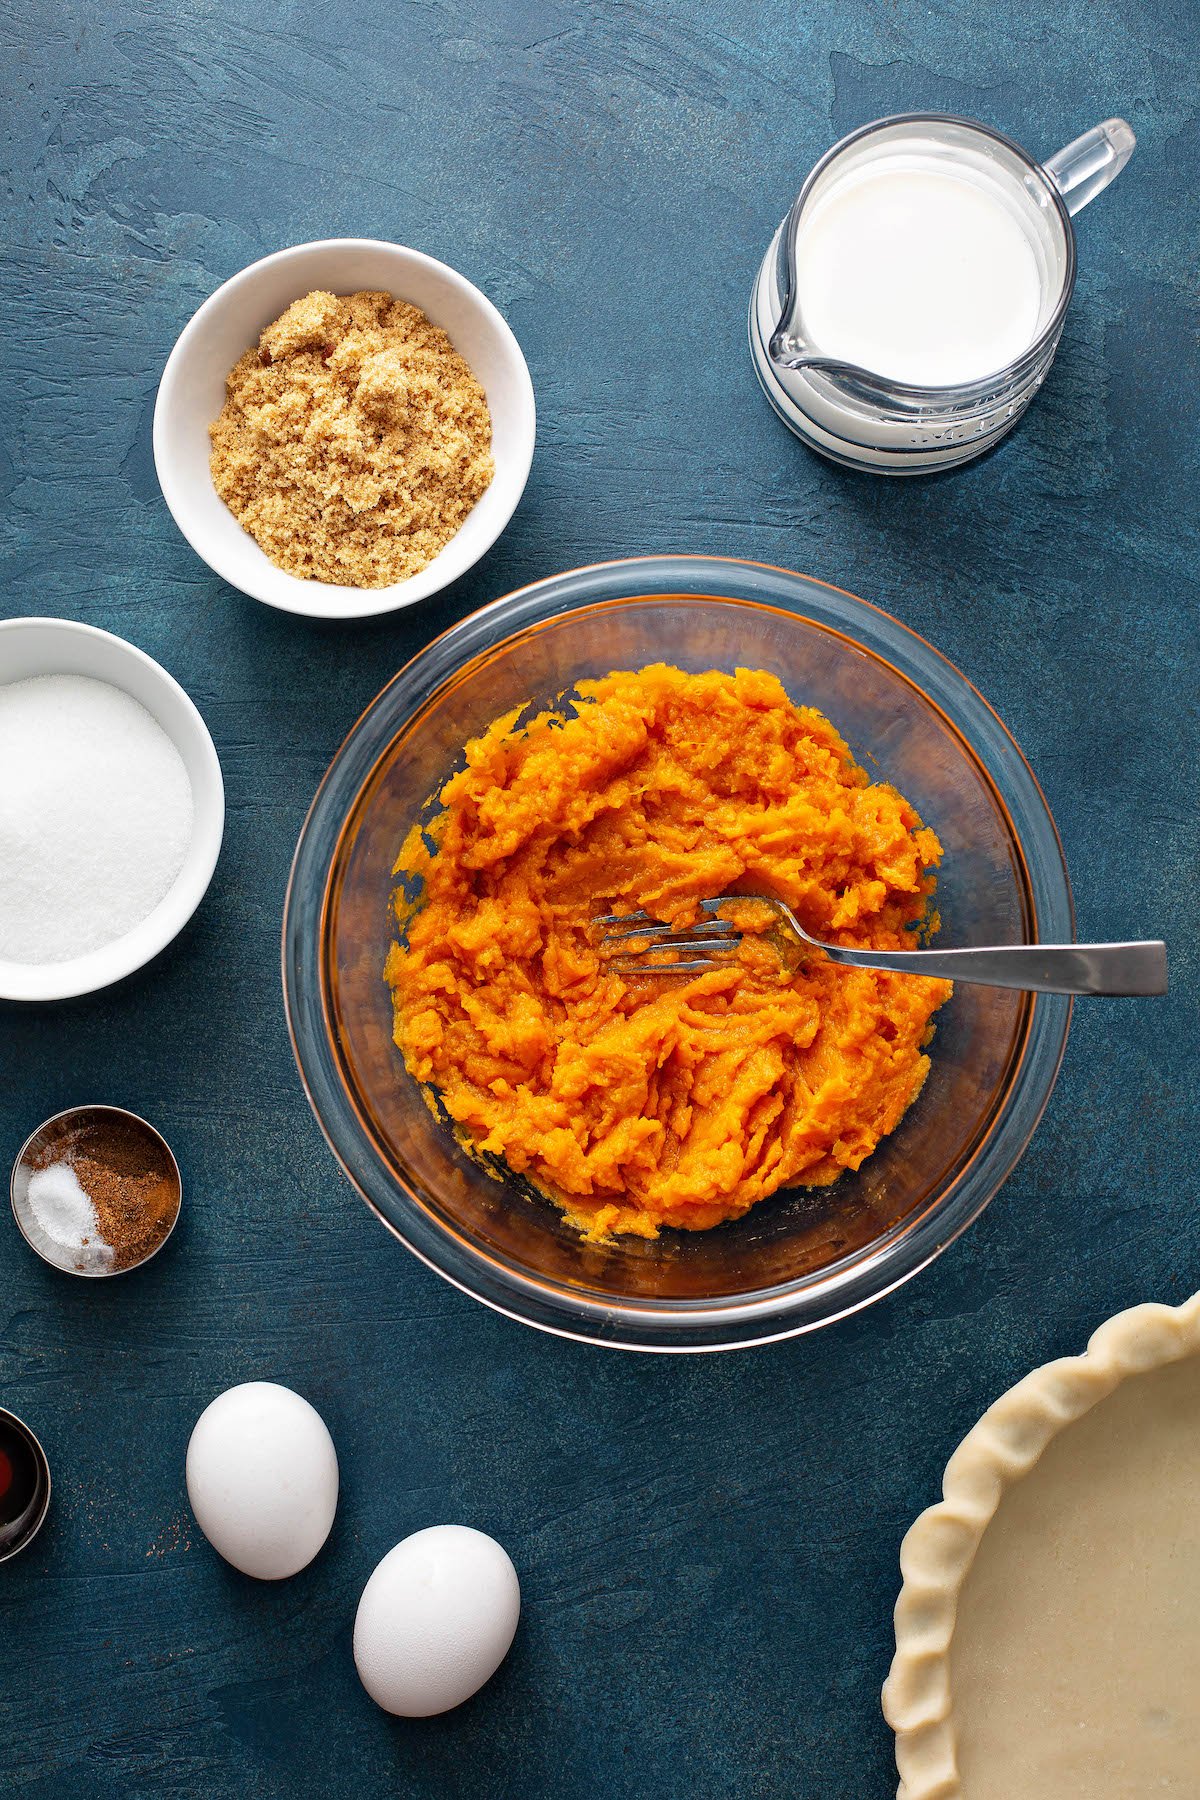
{"points": [[789, 351]]}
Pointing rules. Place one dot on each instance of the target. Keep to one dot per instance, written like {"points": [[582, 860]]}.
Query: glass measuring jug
{"points": [[950, 352]]}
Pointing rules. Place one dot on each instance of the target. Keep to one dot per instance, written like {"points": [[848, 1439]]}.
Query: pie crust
{"points": [[1091, 1686]]}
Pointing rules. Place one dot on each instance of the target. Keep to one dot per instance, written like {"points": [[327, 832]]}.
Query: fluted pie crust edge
{"points": [[940, 1547]]}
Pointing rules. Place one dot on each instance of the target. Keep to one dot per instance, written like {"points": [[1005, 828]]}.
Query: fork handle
{"points": [[1139, 968]]}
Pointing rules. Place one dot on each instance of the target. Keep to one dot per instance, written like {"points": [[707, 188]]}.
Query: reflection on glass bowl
{"points": [[803, 1257]]}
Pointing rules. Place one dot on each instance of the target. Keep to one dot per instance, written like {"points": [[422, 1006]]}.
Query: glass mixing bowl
{"points": [[802, 1257]]}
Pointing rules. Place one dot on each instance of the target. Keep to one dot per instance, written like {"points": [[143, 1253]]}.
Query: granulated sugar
{"points": [[95, 816]]}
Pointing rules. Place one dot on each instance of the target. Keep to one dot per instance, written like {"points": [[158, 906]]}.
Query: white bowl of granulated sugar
{"points": [[112, 808]]}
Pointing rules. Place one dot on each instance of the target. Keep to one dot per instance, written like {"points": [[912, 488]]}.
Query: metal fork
{"points": [[1138, 968]]}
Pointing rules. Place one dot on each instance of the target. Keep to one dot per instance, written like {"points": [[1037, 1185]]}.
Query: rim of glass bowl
{"points": [[843, 1286]]}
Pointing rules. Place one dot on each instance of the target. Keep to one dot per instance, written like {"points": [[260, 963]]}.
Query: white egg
{"points": [[262, 1477], [436, 1620]]}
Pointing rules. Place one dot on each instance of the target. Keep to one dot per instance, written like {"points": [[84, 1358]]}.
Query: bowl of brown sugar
{"points": [[344, 428], [96, 1191]]}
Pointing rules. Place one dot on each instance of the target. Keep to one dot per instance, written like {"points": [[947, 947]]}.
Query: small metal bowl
{"points": [[17, 1534], [65, 1130]]}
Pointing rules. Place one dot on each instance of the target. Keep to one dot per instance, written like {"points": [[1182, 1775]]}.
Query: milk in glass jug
{"points": [[911, 302]]}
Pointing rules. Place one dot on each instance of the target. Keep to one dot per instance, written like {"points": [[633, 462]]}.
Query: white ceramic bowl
{"points": [[62, 647], [192, 393]]}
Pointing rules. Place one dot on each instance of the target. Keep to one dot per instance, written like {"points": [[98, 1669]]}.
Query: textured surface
{"points": [[707, 1547]]}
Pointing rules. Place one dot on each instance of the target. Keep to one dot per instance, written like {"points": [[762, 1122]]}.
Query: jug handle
{"points": [[1084, 167]]}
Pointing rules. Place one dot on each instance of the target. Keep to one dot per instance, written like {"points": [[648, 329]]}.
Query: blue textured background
{"points": [[707, 1547]]}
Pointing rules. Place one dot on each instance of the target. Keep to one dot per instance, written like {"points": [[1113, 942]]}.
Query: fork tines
{"points": [[702, 940]]}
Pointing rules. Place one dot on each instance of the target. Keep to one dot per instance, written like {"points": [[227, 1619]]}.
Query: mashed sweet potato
{"points": [[673, 1100]]}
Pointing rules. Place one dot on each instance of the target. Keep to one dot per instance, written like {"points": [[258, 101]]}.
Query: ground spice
{"points": [[129, 1178], [135, 1204], [354, 440]]}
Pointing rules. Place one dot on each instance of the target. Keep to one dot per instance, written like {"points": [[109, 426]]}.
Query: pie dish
{"points": [[1048, 1628]]}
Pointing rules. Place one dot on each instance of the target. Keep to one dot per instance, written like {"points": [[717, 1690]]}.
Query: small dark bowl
{"points": [[19, 1533]]}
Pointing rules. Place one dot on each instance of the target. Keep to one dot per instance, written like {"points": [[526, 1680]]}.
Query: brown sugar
{"points": [[354, 440]]}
